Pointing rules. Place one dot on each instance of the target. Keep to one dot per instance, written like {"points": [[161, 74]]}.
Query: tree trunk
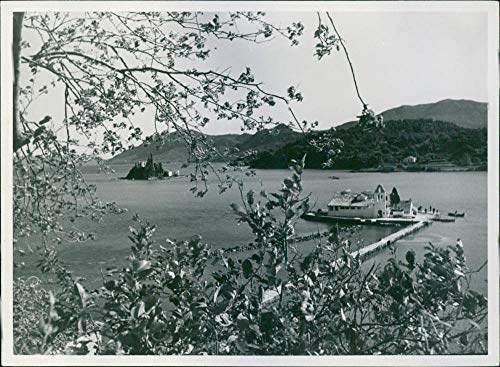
{"points": [[19, 139]]}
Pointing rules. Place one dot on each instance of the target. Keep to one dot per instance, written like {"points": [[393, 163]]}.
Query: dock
{"points": [[369, 250], [411, 225], [368, 221]]}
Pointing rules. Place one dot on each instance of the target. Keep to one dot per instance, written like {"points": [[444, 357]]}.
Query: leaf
{"points": [[247, 268], [217, 293], [45, 120], [410, 257], [241, 345], [463, 339], [269, 295], [256, 258], [110, 285], [80, 292], [141, 309], [141, 265], [288, 183], [304, 160], [223, 319], [52, 299], [250, 197], [242, 322], [458, 273], [475, 324], [237, 209]]}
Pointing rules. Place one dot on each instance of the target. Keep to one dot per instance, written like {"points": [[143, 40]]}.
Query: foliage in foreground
{"points": [[29, 329], [187, 298]]}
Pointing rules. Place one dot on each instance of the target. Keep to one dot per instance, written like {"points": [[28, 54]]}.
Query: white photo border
{"points": [[489, 7]]}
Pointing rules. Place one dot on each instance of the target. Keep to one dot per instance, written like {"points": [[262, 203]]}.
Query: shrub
{"points": [[29, 301]]}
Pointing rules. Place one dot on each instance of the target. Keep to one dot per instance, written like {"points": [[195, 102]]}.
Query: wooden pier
{"points": [[411, 225], [389, 240], [367, 221]]}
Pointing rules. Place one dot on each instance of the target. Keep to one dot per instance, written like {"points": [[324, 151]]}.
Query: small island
{"points": [[149, 170]]}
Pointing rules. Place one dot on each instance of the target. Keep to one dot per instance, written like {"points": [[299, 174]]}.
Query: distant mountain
{"points": [[461, 112], [270, 139], [174, 148]]}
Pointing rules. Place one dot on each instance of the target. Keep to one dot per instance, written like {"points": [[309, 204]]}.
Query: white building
{"points": [[404, 208], [360, 205], [410, 160]]}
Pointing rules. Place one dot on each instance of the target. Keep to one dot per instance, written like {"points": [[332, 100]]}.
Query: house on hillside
{"points": [[367, 204], [410, 160]]}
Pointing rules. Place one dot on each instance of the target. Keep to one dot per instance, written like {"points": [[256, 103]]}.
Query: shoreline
{"points": [[428, 169]]}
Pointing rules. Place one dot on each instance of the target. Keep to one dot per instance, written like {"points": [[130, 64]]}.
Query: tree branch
{"points": [[18, 137]]}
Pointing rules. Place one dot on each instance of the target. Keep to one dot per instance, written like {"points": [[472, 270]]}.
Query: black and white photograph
{"points": [[250, 183]]}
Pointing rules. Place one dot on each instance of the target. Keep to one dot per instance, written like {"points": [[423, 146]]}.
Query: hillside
{"points": [[430, 141], [174, 149], [463, 113], [455, 113]]}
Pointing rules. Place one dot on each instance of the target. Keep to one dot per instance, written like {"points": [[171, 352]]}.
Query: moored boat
{"points": [[456, 214], [444, 219]]}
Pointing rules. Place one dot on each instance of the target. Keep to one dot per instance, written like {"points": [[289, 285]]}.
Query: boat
{"points": [[334, 177], [444, 219], [456, 214]]}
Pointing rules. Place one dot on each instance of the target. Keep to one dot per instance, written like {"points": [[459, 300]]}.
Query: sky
{"points": [[400, 58]]}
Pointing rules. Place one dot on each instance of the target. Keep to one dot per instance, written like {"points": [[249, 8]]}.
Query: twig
{"points": [[348, 59]]}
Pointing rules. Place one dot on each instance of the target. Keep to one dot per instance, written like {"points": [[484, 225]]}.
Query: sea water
{"points": [[178, 214]]}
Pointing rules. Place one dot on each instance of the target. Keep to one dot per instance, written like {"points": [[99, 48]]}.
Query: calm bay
{"points": [[180, 215]]}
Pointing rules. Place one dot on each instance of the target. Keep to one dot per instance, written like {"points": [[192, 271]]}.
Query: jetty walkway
{"points": [[420, 217], [387, 241], [411, 225]]}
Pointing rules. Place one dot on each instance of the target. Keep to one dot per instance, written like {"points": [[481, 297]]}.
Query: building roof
{"points": [[405, 205], [354, 199], [363, 203], [341, 200], [348, 199]]}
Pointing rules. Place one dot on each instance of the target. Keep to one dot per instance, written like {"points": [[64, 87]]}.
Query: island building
{"points": [[146, 170], [367, 204], [404, 208]]}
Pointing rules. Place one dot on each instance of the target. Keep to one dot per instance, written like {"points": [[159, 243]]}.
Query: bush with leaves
{"points": [[30, 298], [185, 297]]}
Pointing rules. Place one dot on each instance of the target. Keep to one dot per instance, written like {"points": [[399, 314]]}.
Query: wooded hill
{"points": [[428, 140], [448, 131], [174, 149]]}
